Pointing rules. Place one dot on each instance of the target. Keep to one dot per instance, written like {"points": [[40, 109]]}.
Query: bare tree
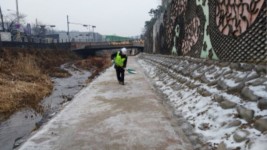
{"points": [[11, 19], [2, 20], [11, 25]]}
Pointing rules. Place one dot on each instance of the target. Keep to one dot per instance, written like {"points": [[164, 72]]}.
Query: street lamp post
{"points": [[43, 30], [52, 26], [88, 26], [68, 26], [93, 33], [53, 36], [84, 25]]}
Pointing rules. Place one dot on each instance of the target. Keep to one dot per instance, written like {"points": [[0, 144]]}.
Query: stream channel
{"points": [[16, 130]]}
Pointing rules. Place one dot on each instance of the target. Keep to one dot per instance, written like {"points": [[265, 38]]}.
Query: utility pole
{"points": [[17, 7], [18, 37], [68, 32]]}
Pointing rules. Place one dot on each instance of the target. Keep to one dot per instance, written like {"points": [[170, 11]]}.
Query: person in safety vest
{"points": [[120, 61]]}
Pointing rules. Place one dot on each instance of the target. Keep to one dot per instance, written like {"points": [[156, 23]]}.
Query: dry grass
{"points": [[24, 77], [18, 94], [95, 64]]}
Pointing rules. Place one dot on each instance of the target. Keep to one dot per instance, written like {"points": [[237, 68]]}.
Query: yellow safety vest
{"points": [[118, 60]]}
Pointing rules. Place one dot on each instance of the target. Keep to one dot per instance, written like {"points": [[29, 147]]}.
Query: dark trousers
{"points": [[120, 74]]}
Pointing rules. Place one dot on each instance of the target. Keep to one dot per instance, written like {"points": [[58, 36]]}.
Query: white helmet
{"points": [[124, 51]]}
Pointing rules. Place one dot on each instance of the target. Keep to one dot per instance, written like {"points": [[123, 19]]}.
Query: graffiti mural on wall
{"points": [[238, 30], [235, 17], [191, 35], [230, 30], [170, 19], [206, 50], [184, 28]]}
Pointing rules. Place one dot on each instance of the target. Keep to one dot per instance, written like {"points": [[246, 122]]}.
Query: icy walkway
{"points": [[106, 115]]}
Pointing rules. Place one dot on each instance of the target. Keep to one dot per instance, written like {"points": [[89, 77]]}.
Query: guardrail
{"points": [[98, 45], [71, 45]]}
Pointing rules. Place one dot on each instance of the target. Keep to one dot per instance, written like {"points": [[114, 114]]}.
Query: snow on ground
{"points": [[259, 91], [205, 115]]}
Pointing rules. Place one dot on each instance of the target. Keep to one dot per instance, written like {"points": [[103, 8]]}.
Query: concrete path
{"points": [[106, 115]]}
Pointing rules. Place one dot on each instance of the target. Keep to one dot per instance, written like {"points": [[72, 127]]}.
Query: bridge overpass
{"points": [[90, 48], [80, 48]]}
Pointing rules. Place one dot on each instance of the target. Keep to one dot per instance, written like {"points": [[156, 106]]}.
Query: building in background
{"points": [[76, 36], [5, 36]]}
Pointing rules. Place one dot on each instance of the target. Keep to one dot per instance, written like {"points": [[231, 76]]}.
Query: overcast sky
{"points": [[120, 17]]}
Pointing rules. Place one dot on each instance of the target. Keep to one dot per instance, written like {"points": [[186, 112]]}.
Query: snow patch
{"points": [[260, 91], [207, 117]]}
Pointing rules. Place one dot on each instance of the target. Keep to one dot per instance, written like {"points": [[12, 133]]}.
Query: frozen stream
{"points": [[18, 127]]}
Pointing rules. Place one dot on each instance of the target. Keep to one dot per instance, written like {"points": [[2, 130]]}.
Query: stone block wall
{"points": [[214, 96]]}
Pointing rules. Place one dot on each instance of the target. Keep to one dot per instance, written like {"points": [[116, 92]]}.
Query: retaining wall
{"points": [[234, 31]]}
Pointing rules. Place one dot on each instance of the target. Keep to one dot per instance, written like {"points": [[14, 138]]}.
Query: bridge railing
{"points": [[139, 42]]}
